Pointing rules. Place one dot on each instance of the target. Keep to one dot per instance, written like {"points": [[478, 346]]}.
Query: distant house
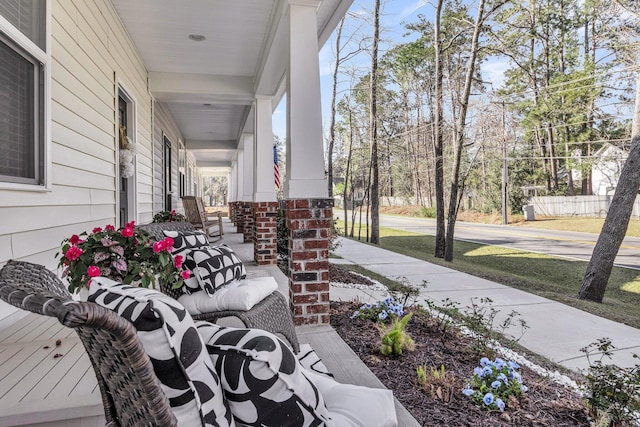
{"points": [[606, 170]]}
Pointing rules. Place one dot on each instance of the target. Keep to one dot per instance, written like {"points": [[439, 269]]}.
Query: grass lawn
{"points": [[554, 278]]}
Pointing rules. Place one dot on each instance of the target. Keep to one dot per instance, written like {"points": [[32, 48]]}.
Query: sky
{"points": [[394, 14]]}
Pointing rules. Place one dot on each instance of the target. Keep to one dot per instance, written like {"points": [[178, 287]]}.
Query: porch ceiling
{"points": [[209, 86]]}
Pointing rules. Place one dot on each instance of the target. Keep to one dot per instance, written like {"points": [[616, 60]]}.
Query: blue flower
{"points": [[523, 388], [367, 306], [383, 315], [513, 365], [496, 384], [503, 377], [355, 314], [488, 399], [478, 371], [487, 370], [500, 404], [516, 376], [499, 363], [484, 361], [468, 391]]}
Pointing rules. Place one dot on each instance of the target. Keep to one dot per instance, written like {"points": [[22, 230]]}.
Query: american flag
{"points": [[276, 168]]}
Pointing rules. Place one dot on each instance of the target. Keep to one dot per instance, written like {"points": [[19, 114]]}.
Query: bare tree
{"points": [[455, 191], [373, 129], [438, 138]]}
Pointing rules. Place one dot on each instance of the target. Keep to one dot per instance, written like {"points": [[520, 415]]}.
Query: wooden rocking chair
{"points": [[197, 215]]}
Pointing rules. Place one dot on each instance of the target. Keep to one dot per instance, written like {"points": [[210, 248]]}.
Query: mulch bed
{"points": [[441, 403]]}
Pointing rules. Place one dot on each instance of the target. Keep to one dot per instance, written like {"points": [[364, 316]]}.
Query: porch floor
{"points": [[39, 389]]}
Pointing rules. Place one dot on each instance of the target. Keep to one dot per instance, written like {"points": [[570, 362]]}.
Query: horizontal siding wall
{"points": [[91, 53]]}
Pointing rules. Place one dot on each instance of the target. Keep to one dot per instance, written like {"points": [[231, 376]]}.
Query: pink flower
{"points": [[93, 271], [127, 232], [173, 212], [73, 253], [159, 246], [96, 230], [130, 224], [74, 240], [109, 228], [177, 261], [185, 274], [168, 243]]}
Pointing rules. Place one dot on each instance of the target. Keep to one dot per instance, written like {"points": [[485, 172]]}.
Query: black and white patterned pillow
{"points": [[183, 243], [177, 352], [262, 380], [215, 267]]}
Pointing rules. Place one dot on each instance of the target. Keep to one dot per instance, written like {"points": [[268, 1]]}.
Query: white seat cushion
{"points": [[355, 406], [237, 295]]}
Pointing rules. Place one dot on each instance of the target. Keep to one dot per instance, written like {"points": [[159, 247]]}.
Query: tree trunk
{"points": [[437, 143], [615, 225], [373, 130], [332, 125], [346, 179]]}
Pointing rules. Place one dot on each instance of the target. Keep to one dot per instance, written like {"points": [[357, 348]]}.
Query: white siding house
{"points": [[92, 76], [606, 171], [91, 59]]}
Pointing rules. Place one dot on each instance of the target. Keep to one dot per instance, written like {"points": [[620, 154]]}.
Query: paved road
{"points": [[568, 244]]}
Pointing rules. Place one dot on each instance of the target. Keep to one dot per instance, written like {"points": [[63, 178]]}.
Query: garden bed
{"points": [[441, 402]]}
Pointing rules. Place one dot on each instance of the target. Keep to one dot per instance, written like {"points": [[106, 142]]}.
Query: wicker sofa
{"points": [[251, 377], [272, 314]]}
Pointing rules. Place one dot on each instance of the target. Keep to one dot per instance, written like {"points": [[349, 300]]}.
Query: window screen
{"points": [[28, 16], [22, 95]]}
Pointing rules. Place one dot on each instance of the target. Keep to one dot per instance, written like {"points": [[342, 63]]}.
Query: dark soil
{"points": [[441, 402], [342, 275]]}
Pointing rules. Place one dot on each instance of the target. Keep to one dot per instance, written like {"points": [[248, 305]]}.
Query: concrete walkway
{"points": [[556, 331]]}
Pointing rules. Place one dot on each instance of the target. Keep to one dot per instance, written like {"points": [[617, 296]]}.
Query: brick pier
{"points": [[308, 222]]}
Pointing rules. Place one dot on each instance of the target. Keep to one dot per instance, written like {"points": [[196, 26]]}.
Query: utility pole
{"points": [[505, 219]]}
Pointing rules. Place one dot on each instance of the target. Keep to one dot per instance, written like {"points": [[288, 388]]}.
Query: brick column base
{"points": [[265, 236], [233, 212], [247, 221], [308, 223]]}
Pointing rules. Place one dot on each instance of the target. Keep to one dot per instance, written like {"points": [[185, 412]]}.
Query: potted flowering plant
{"points": [[128, 255], [169, 216]]}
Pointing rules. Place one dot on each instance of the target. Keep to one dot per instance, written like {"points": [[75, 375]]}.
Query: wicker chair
{"points": [[29, 274], [196, 214], [131, 393], [272, 314]]}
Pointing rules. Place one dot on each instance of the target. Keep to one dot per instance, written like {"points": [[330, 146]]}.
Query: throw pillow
{"points": [[237, 295], [183, 243], [215, 267], [262, 380], [177, 352]]}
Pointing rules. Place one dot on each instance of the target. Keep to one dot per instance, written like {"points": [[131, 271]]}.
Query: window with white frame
{"points": [[23, 62]]}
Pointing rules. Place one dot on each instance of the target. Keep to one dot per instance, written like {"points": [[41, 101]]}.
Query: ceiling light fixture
{"points": [[197, 37]]}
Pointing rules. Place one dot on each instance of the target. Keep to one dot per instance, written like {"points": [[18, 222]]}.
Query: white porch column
{"points": [[305, 156], [240, 176], [263, 179], [247, 171], [233, 182]]}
